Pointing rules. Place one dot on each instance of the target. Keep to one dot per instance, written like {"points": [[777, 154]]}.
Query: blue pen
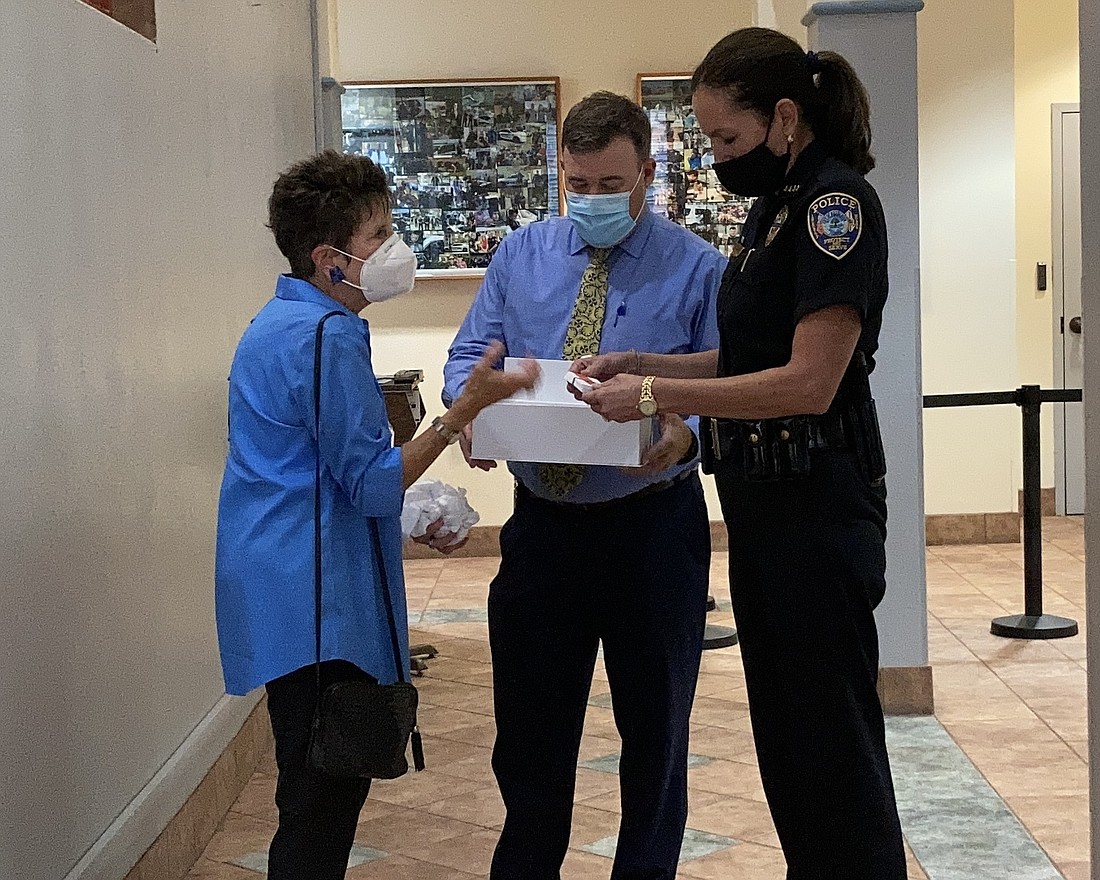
{"points": [[619, 313]]}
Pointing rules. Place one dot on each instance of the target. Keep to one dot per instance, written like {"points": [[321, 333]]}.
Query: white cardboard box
{"points": [[547, 424]]}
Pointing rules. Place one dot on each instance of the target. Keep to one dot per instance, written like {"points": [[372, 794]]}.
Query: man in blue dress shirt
{"points": [[597, 554]]}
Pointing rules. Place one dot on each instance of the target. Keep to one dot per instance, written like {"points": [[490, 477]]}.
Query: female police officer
{"points": [[793, 440]]}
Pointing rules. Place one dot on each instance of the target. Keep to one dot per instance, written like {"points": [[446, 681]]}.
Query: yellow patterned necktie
{"points": [[581, 338]]}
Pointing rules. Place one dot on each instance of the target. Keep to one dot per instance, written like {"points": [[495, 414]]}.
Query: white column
{"points": [[1090, 314], [879, 38], [764, 14]]}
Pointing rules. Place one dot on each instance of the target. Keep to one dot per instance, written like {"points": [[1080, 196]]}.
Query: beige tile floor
{"points": [[1017, 710]]}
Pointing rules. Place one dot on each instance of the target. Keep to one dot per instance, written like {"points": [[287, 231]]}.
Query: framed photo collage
{"points": [[471, 161]]}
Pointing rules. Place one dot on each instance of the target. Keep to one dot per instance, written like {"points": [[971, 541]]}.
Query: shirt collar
{"points": [[295, 289], [634, 244], [805, 167]]}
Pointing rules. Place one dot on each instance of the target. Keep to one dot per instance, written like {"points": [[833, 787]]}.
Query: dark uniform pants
{"points": [[318, 813], [807, 569], [633, 575]]}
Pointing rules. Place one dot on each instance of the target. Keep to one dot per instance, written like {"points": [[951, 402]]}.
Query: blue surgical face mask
{"points": [[603, 221]]}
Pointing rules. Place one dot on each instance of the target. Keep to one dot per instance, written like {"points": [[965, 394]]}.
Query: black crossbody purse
{"points": [[361, 729]]}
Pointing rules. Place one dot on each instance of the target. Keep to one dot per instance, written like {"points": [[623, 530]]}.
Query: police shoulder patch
{"points": [[836, 224]]}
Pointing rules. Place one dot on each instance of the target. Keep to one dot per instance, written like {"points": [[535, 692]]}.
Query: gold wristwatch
{"points": [[448, 434], [647, 403]]}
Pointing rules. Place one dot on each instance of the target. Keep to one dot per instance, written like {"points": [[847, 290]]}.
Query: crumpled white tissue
{"points": [[430, 500]]}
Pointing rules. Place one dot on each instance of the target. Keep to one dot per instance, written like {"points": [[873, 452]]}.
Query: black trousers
{"points": [[634, 576], [807, 569], [318, 813]]}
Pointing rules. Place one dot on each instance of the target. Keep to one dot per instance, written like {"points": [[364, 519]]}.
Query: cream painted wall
{"points": [[133, 255], [589, 47], [968, 236], [1047, 72], [988, 78]]}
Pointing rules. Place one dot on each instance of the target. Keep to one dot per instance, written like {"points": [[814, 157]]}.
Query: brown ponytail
{"points": [[844, 112], [758, 68]]}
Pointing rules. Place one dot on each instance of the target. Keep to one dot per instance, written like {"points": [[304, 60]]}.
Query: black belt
{"points": [[828, 432], [825, 432], [652, 489]]}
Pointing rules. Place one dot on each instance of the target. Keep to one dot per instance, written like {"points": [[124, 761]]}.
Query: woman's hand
{"points": [[440, 540], [487, 385], [604, 366], [617, 398]]}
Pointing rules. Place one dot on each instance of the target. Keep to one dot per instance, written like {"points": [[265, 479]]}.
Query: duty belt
{"points": [[766, 450]]}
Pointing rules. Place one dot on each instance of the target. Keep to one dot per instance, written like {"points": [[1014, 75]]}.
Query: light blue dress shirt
{"points": [[264, 566], [661, 298]]}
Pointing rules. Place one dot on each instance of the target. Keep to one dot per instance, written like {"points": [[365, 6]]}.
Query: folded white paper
{"points": [[547, 424]]}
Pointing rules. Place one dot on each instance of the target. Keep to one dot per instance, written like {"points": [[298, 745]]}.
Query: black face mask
{"points": [[758, 173]]}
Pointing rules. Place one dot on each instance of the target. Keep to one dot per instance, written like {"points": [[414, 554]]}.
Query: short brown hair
{"points": [[323, 200], [600, 118]]}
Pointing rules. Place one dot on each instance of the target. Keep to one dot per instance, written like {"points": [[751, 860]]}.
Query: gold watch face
{"points": [[648, 407]]}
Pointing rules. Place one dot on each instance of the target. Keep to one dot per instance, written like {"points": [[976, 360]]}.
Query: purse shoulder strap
{"points": [[387, 599], [376, 540]]}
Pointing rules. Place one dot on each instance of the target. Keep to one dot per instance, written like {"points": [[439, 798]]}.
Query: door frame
{"points": [[1058, 302]]}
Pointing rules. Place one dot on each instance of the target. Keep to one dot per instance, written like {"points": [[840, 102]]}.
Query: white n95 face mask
{"points": [[387, 273]]}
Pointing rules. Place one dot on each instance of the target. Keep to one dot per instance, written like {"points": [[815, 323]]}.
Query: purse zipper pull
{"points": [[418, 750]]}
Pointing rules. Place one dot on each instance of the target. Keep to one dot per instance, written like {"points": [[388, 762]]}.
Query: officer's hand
{"points": [[604, 366], [466, 443], [440, 540], [617, 398], [673, 445]]}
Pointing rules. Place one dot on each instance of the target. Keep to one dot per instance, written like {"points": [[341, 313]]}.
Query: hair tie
{"points": [[815, 62]]}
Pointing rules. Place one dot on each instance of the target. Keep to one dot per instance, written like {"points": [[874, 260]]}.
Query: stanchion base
{"points": [[717, 636], [712, 604], [1028, 626]]}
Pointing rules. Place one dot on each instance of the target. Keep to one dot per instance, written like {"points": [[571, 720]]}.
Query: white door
{"points": [[1069, 425]]}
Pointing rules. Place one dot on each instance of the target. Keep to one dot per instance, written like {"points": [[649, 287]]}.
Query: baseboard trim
{"points": [[906, 690], [971, 528], [164, 830], [1049, 504], [485, 541], [939, 528]]}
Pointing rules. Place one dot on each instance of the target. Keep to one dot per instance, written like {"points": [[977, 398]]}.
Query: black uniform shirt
{"points": [[821, 241]]}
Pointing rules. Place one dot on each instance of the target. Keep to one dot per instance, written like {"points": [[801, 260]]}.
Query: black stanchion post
{"points": [[1030, 407], [1033, 624], [717, 636]]}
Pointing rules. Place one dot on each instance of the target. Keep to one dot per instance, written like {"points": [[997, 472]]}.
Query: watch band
{"points": [[448, 434], [647, 403]]}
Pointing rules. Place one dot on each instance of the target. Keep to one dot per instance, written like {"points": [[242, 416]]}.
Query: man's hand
{"points": [[674, 443], [466, 442], [604, 366], [440, 540], [617, 398]]}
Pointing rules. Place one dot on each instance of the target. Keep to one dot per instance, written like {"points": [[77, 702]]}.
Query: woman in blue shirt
{"points": [[331, 216]]}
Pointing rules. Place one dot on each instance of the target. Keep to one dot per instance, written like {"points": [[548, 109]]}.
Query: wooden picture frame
{"points": [[138, 15], [469, 161], [686, 190]]}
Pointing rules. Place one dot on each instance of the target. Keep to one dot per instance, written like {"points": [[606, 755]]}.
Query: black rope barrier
{"points": [[1033, 623]]}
